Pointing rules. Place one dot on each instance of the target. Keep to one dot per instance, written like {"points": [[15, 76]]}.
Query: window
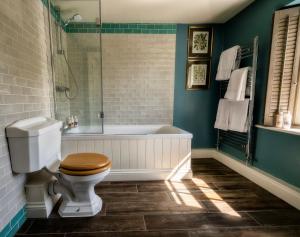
{"points": [[283, 83]]}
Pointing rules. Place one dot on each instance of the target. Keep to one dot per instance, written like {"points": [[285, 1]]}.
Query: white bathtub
{"points": [[137, 152]]}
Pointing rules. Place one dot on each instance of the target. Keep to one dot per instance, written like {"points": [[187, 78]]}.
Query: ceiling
{"points": [[154, 11]]}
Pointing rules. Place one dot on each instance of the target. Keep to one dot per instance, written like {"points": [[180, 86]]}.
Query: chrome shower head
{"points": [[76, 17]]}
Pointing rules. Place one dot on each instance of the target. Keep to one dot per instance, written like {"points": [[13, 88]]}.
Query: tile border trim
{"points": [[119, 28], [15, 224], [55, 14]]}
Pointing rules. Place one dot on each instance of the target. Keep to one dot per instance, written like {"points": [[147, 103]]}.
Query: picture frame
{"points": [[198, 74], [200, 40]]}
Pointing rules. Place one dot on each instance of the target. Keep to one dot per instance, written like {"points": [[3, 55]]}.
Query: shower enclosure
{"points": [[125, 69], [76, 60]]}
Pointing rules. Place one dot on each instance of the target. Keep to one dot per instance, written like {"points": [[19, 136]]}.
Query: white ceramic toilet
{"points": [[34, 145]]}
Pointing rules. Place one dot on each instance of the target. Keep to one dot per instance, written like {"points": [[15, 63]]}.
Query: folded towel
{"points": [[238, 116], [229, 60], [237, 85], [222, 119]]}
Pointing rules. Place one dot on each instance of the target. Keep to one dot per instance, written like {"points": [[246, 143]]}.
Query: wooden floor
{"points": [[216, 202]]}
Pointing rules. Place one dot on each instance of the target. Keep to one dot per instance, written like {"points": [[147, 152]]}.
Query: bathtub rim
{"points": [[102, 136]]}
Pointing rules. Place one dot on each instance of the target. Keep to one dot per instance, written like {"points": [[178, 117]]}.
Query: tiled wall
{"points": [[24, 87], [138, 78]]}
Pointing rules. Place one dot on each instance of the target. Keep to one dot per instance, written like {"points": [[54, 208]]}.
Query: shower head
{"points": [[76, 17]]}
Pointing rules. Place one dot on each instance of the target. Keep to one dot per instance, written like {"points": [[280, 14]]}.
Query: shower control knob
{"points": [[100, 115]]}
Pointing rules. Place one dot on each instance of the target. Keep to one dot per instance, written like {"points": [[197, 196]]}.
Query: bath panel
{"points": [[150, 156]]}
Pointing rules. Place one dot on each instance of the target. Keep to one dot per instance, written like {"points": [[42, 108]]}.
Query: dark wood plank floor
{"points": [[216, 202]]}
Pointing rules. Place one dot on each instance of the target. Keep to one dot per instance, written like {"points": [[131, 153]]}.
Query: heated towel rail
{"points": [[243, 141]]}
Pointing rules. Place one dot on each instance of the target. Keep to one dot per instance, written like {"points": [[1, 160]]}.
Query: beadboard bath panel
{"points": [[137, 157]]}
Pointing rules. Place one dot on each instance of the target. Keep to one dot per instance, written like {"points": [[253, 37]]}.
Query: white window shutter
{"points": [[284, 64]]}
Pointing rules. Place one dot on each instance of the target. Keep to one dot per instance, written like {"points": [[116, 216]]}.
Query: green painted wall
{"points": [[279, 155], [276, 153], [195, 111]]}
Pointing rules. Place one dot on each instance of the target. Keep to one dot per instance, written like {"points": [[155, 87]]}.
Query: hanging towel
{"points": [[238, 116], [229, 60], [237, 85], [222, 119]]}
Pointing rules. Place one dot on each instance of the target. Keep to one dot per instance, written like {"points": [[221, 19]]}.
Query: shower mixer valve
{"points": [[62, 88], [60, 51]]}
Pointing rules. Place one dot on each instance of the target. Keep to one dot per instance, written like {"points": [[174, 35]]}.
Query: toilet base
{"points": [[80, 209]]}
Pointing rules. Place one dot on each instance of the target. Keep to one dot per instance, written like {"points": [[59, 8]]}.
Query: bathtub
{"points": [[137, 152]]}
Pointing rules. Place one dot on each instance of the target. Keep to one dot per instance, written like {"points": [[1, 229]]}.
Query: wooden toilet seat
{"points": [[82, 164]]}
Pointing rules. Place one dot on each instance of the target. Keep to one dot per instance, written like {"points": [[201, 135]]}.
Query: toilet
{"points": [[34, 146], [82, 171]]}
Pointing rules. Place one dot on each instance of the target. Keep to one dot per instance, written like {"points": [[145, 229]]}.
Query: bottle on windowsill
{"points": [[279, 120], [72, 121], [287, 120], [75, 121], [69, 122]]}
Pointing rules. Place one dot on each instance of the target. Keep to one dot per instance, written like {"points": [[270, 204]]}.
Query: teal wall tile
{"points": [[130, 28], [6, 230], [15, 224], [55, 13]]}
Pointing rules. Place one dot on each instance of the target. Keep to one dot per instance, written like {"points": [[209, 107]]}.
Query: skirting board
{"points": [[147, 175], [203, 153], [279, 188]]}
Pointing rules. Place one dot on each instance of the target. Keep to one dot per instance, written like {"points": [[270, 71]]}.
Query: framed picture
{"points": [[200, 41], [198, 74]]}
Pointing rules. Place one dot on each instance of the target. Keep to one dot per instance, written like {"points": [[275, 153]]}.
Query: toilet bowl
{"points": [[34, 145], [78, 175]]}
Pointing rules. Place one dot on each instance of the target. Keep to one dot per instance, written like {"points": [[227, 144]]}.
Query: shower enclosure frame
{"points": [[52, 78]]}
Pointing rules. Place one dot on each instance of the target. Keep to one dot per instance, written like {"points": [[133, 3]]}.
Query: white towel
{"points": [[229, 60], [237, 85], [238, 116], [222, 119]]}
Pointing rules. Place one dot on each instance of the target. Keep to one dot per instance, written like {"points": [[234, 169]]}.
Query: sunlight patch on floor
{"points": [[222, 205], [187, 198], [182, 169], [182, 198]]}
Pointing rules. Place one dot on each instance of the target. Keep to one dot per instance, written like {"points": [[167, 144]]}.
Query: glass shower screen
{"points": [[76, 52]]}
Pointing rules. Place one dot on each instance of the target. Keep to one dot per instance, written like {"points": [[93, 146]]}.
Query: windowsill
{"points": [[293, 131]]}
